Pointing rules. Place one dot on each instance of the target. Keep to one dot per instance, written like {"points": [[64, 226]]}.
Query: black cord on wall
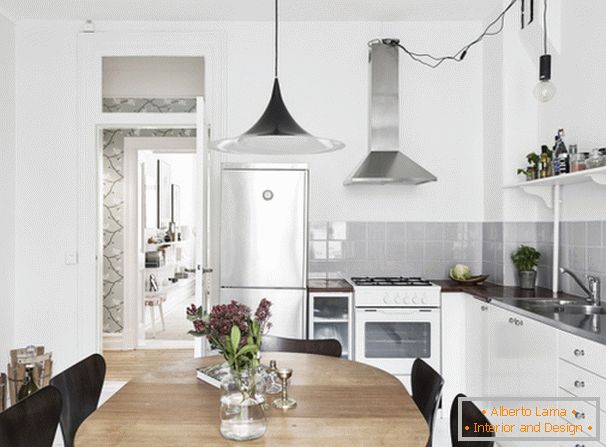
{"points": [[434, 62]]}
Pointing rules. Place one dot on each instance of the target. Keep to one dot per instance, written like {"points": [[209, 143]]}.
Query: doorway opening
{"points": [[150, 226]]}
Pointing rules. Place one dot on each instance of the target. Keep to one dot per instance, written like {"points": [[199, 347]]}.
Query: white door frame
{"points": [[91, 49]]}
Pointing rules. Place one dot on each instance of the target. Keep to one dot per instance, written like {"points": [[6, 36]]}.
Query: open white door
{"points": [[202, 227]]}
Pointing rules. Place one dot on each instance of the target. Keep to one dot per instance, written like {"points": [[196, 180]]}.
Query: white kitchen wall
{"points": [[46, 187], [449, 126], [7, 185], [579, 63], [324, 76]]}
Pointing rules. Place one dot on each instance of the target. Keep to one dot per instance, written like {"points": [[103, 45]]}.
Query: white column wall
{"points": [[7, 187]]}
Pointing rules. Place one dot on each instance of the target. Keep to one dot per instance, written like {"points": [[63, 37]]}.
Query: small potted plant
{"points": [[234, 331], [526, 259], [532, 170]]}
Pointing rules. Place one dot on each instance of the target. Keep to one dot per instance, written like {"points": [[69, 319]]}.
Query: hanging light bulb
{"points": [[545, 90], [276, 132]]}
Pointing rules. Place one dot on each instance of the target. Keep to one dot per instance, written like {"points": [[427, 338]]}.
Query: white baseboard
{"points": [[113, 342]]}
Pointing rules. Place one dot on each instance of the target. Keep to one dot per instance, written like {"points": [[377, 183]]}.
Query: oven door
{"points": [[391, 339]]}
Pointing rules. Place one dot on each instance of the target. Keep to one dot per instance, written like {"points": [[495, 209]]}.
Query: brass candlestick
{"points": [[285, 402]]}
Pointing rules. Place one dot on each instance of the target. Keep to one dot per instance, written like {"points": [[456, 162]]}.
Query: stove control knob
{"points": [[415, 300], [406, 300], [424, 300], [398, 299], [386, 299]]}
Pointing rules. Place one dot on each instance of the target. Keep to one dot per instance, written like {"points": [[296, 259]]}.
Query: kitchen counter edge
{"points": [[502, 296]]}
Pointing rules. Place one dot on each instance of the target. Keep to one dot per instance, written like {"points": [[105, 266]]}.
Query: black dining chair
{"points": [[80, 387], [33, 421], [328, 347], [470, 414], [426, 391]]}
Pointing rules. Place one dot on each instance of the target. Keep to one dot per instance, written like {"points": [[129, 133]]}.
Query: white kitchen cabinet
{"points": [[523, 355], [455, 348], [581, 373], [477, 358], [537, 358], [503, 339]]}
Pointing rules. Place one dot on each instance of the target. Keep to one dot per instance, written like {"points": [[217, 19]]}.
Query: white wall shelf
{"points": [[549, 189], [543, 187]]}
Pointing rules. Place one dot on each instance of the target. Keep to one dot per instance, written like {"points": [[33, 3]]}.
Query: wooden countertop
{"points": [[329, 285], [340, 403]]}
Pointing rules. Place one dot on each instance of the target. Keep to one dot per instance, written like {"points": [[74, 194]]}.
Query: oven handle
{"points": [[400, 311]]}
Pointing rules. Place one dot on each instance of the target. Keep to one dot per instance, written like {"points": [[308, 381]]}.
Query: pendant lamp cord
{"points": [[544, 26], [276, 40], [435, 61]]}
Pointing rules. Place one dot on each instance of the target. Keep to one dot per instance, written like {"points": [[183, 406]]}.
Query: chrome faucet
{"points": [[592, 289]]}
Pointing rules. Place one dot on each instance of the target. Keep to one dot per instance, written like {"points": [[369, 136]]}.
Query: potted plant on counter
{"points": [[234, 331], [526, 259]]}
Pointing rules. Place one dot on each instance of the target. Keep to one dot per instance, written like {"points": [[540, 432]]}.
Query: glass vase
{"points": [[242, 405]]}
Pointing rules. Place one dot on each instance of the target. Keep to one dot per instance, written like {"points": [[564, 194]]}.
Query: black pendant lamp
{"points": [[276, 132], [545, 90]]}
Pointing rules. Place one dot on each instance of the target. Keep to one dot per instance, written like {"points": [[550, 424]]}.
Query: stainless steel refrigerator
{"points": [[264, 241]]}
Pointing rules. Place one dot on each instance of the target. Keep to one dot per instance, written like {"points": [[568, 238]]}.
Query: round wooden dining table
{"points": [[339, 403]]}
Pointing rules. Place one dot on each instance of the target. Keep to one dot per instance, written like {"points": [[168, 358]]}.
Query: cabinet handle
{"points": [[579, 384], [579, 415], [483, 308], [579, 352]]}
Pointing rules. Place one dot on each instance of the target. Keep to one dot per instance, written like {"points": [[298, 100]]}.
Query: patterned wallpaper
{"points": [[113, 196], [149, 105]]}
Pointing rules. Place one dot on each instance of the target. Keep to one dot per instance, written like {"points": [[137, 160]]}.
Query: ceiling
{"points": [[254, 10]]}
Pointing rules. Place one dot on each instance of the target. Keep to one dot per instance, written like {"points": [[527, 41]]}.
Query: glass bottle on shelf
{"points": [[29, 384], [561, 162], [577, 160], [545, 162], [595, 160]]}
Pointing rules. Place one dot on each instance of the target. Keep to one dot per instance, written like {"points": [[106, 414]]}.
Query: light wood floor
{"points": [[124, 365]]}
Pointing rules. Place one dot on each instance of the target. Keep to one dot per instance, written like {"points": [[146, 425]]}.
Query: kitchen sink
{"points": [[545, 302], [563, 307], [583, 309]]}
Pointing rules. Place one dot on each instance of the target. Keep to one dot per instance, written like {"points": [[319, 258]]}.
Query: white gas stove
{"points": [[395, 291], [397, 321]]}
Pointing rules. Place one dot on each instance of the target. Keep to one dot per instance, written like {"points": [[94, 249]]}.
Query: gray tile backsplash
{"points": [[429, 249], [426, 249], [582, 250]]}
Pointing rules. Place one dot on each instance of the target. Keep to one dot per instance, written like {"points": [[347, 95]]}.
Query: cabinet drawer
{"points": [[584, 353], [586, 415], [580, 444], [581, 383]]}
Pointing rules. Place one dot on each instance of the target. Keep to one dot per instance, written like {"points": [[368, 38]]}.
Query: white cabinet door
{"points": [[476, 346], [537, 353], [455, 348], [502, 343]]}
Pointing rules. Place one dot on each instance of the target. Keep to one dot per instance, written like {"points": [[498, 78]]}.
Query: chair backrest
{"points": [[470, 414], [80, 387], [33, 421], [329, 347], [426, 391]]}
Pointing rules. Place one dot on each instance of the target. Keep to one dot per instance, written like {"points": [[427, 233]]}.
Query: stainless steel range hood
{"points": [[385, 164]]}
